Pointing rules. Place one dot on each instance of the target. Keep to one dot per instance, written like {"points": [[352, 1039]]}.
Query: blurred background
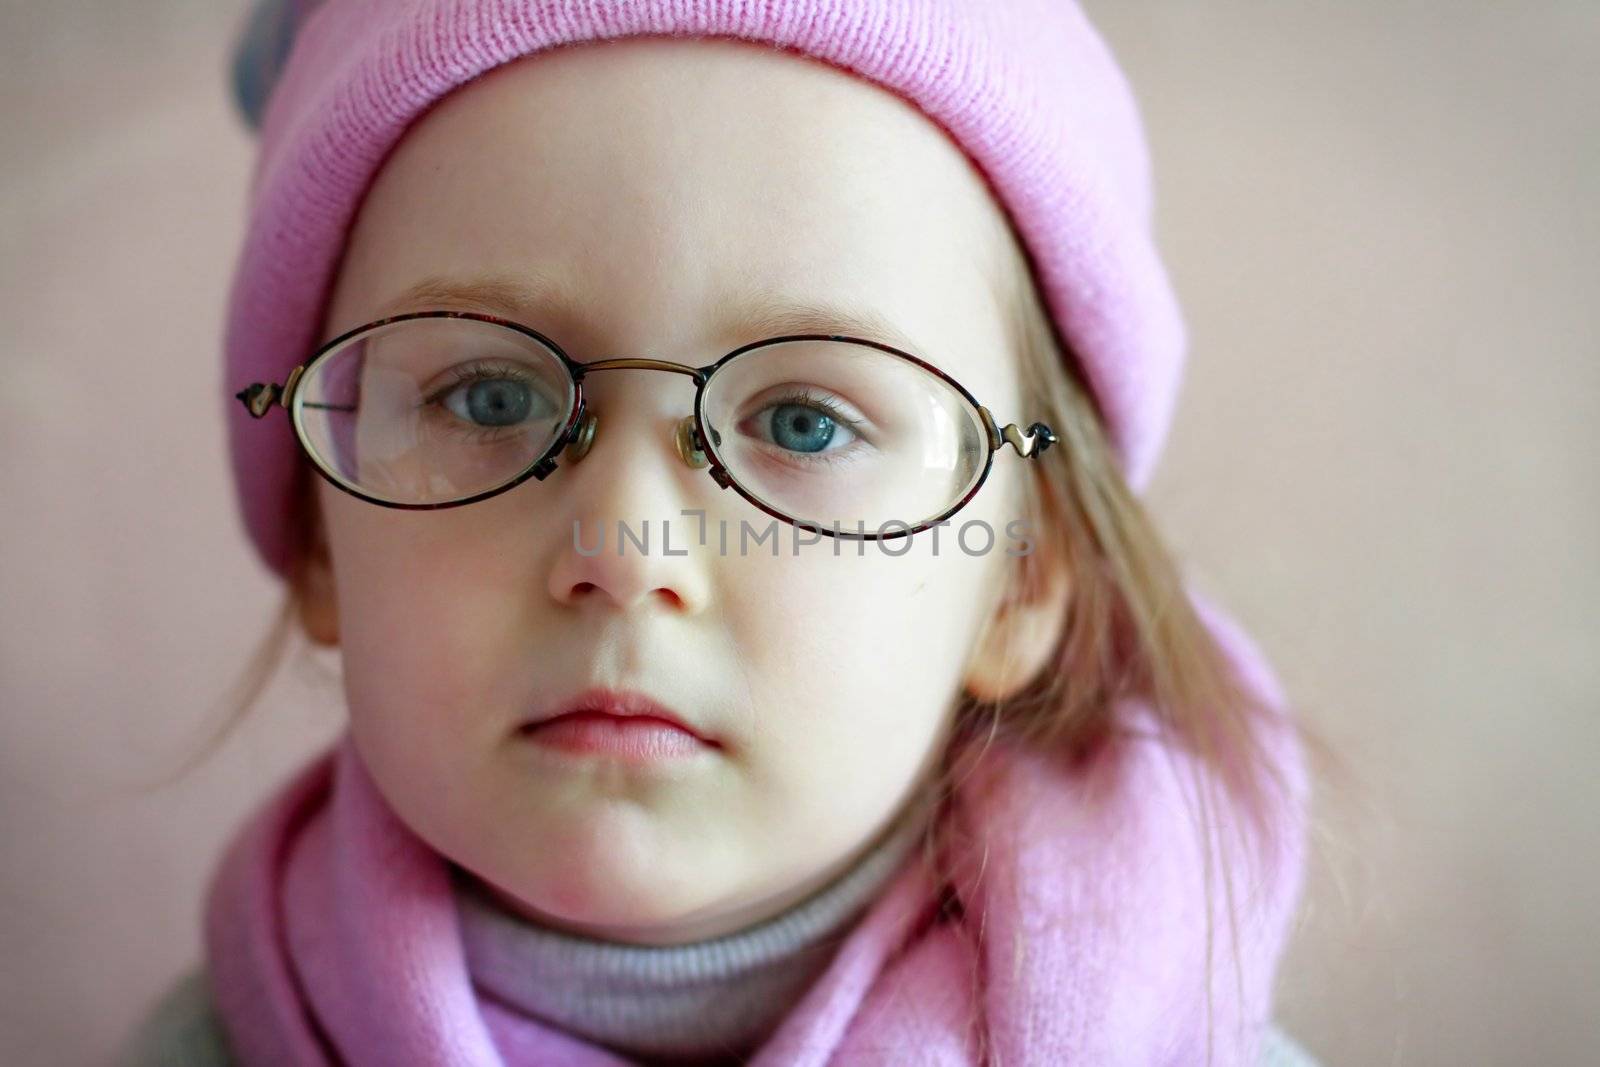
{"points": [[1381, 218]]}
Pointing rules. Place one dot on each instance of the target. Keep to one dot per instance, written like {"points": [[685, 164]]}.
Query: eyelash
{"points": [[804, 397], [465, 375]]}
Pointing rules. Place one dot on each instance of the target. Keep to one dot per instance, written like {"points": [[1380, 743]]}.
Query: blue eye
{"points": [[805, 423], [495, 402], [491, 398], [800, 428]]}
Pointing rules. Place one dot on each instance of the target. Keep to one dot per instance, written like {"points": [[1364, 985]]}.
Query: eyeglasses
{"points": [[436, 409]]}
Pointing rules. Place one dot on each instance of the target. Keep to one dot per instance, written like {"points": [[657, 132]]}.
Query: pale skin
{"points": [[658, 182]]}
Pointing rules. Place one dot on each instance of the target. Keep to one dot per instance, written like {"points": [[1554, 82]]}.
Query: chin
{"points": [[591, 903], [603, 880]]}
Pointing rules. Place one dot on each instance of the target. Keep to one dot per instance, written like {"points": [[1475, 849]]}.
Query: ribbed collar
{"points": [[668, 1002]]}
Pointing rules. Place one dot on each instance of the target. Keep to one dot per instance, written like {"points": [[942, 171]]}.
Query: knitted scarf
{"points": [[1081, 916]]}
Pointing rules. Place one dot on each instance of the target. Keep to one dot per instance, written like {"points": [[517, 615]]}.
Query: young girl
{"points": [[710, 434]]}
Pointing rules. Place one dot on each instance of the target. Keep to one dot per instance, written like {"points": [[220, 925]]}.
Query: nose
{"points": [[626, 542]]}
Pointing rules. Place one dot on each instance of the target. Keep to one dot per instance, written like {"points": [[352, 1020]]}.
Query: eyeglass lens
{"points": [[432, 410]]}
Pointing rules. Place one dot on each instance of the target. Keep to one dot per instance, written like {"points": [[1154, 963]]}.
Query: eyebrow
{"points": [[532, 297]]}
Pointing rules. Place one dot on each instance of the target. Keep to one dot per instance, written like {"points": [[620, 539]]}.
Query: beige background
{"points": [[1381, 217]]}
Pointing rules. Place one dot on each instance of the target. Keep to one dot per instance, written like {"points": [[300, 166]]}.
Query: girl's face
{"points": [[663, 187]]}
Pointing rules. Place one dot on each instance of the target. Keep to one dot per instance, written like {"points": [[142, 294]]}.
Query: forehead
{"points": [[669, 193]]}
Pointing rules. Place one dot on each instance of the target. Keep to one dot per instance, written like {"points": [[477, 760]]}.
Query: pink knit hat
{"points": [[1026, 88]]}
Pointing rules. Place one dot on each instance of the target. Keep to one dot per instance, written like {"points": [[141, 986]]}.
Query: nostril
{"points": [[583, 588]]}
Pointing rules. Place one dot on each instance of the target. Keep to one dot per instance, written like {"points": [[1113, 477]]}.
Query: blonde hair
{"points": [[1129, 630]]}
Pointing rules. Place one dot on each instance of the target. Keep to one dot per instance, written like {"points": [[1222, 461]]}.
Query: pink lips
{"points": [[619, 723]]}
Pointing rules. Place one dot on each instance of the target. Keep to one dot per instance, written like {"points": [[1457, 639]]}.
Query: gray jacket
{"points": [[183, 1031]]}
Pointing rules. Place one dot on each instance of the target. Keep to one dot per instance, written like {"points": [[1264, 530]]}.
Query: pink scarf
{"points": [[332, 938]]}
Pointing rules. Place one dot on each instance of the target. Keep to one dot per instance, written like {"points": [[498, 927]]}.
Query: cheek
{"points": [[854, 660], [426, 631]]}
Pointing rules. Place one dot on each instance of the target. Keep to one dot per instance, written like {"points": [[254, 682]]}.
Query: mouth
{"points": [[618, 722]]}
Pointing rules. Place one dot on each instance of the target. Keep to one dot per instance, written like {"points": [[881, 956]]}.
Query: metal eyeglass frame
{"points": [[691, 436]]}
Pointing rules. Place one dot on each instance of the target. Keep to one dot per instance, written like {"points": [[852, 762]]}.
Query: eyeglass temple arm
{"points": [[258, 397], [1028, 443]]}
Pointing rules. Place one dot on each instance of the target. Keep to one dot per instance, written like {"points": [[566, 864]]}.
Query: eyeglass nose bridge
{"points": [[685, 436]]}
